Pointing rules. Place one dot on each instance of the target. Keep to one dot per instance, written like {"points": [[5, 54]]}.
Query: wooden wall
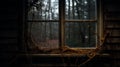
{"points": [[112, 25], [10, 30], [12, 24]]}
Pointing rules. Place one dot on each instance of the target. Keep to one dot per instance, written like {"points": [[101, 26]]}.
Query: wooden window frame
{"points": [[62, 22]]}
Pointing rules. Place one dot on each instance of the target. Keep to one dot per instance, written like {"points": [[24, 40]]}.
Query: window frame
{"points": [[62, 22]]}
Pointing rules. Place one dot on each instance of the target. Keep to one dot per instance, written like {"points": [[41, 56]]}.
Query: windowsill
{"points": [[65, 51], [62, 55]]}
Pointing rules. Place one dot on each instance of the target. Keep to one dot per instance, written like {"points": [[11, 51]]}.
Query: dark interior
{"points": [[12, 29]]}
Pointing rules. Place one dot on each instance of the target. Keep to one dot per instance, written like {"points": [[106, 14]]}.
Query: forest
{"points": [[80, 23]]}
